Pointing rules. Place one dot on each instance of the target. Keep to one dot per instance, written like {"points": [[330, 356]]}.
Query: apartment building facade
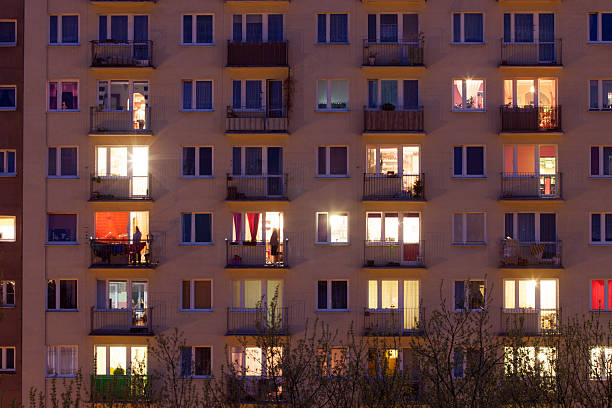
{"points": [[185, 159]]}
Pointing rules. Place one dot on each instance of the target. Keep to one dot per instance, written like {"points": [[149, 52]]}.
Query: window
{"points": [[124, 295], [256, 294], [468, 28], [531, 294], [393, 27], [600, 91], [530, 160], [332, 161], [382, 362], [7, 162], [257, 28], [332, 28], [601, 294], [7, 293], [468, 95], [253, 95], [196, 362], [61, 294], [196, 295], [62, 162], [469, 295], [391, 160], [7, 228], [61, 228], [332, 228], [465, 361], [529, 28], [600, 27], [256, 362], [521, 93], [601, 161], [332, 295], [469, 228], [121, 360], [259, 161], [63, 96], [332, 94], [529, 361], [393, 227], [123, 28], [468, 161], [601, 363], [531, 227], [64, 30], [392, 93], [7, 359], [253, 223], [197, 228], [197, 161], [8, 32], [197, 29], [201, 99], [601, 228], [334, 361], [385, 294], [62, 361], [8, 97]]}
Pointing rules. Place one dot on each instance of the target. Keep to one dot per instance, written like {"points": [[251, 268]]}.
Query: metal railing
{"points": [[122, 321], [113, 188], [257, 188], [120, 388], [121, 253], [530, 254], [257, 54], [531, 186], [257, 321], [126, 121], [391, 322], [530, 321], [130, 53], [538, 53], [397, 187], [399, 53], [401, 120], [530, 118], [256, 254], [393, 254], [262, 120]]}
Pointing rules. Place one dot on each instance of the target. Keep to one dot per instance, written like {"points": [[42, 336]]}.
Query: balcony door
{"points": [[264, 163], [275, 99], [128, 163], [125, 295], [122, 29], [546, 47], [537, 162], [126, 96], [400, 232]]}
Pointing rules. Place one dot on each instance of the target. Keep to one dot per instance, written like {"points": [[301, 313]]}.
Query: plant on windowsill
{"points": [[418, 188], [387, 107]]}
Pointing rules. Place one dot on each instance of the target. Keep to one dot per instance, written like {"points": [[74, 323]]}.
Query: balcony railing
{"points": [[245, 120], [116, 54], [397, 187], [540, 53], [530, 254], [112, 389], [521, 186], [530, 118], [120, 122], [257, 54], [387, 254], [256, 254], [409, 120], [122, 253], [399, 53], [120, 188], [254, 390], [391, 322], [255, 321], [257, 188], [120, 322], [530, 321]]}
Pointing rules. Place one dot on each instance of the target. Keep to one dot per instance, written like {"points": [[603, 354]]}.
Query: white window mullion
{"points": [[379, 293], [329, 294], [606, 293], [400, 295], [463, 95], [601, 160], [328, 27], [264, 27]]}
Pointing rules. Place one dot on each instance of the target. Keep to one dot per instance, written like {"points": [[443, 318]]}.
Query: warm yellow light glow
{"points": [[527, 293], [411, 231], [389, 296], [7, 228], [139, 360], [117, 359], [253, 360], [373, 294], [339, 227], [509, 294], [101, 360]]}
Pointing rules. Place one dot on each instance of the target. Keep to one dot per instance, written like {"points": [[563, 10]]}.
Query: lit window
{"points": [[332, 94], [332, 228], [601, 363], [7, 228], [62, 361], [600, 94], [121, 360], [601, 294], [63, 96], [256, 362], [468, 95], [529, 361]]}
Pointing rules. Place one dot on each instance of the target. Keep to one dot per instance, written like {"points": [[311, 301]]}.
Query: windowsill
{"points": [[469, 244], [197, 311], [599, 42], [52, 377], [332, 110], [196, 244], [600, 311], [600, 244], [470, 310], [8, 44], [470, 177], [8, 240], [468, 110], [332, 243], [7, 306], [468, 43], [8, 371], [8, 109], [197, 177], [64, 111], [63, 45], [332, 176], [332, 43], [198, 45], [601, 177], [62, 243], [599, 110], [8, 174], [197, 110], [332, 311], [62, 310], [199, 377], [63, 177]]}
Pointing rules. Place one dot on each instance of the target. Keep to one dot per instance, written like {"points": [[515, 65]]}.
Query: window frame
{"points": [[14, 43], [197, 162], [330, 213], [536, 25], [537, 297], [536, 224], [3, 359], [10, 108], [60, 43], [462, 28], [464, 94], [14, 218], [75, 362], [59, 83], [193, 242], [463, 241], [599, 108], [62, 243], [5, 164], [4, 292], [328, 162], [329, 98], [264, 293], [466, 298], [600, 163], [194, 95], [328, 29], [599, 27], [193, 375], [602, 229], [58, 161], [464, 162], [128, 357], [194, 30], [264, 26], [192, 308], [329, 308], [58, 301]]}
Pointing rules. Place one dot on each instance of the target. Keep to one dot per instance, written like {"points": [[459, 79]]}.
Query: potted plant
{"points": [[372, 59], [387, 106], [418, 188], [369, 262]]}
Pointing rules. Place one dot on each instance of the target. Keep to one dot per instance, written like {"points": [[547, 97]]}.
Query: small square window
{"points": [[332, 94], [332, 161], [332, 28], [469, 295], [332, 228], [197, 161], [63, 96], [600, 27], [197, 95], [197, 228], [196, 295], [7, 162], [332, 295], [468, 161], [62, 228], [61, 294], [7, 293], [468, 28], [7, 228], [8, 97], [196, 362], [198, 29], [62, 162], [64, 30], [468, 95], [8, 32], [62, 361], [469, 228]]}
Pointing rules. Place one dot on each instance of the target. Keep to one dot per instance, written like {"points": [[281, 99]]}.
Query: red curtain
{"points": [[253, 225], [597, 294], [237, 225]]}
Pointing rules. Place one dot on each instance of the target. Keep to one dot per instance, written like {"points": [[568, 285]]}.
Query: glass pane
{"points": [[203, 223], [593, 28], [525, 159], [509, 294], [70, 29], [7, 32], [100, 360], [548, 294], [525, 92], [337, 161], [139, 361], [374, 227], [203, 95], [70, 95], [596, 227], [339, 227], [523, 28], [597, 295], [392, 227], [389, 160], [339, 295], [457, 27], [457, 94], [527, 293], [68, 294], [139, 295], [202, 294], [254, 28], [458, 227], [253, 361], [373, 94], [474, 98], [322, 295], [62, 227], [508, 92], [187, 29], [253, 161], [339, 94], [321, 28], [68, 161], [411, 230], [475, 227], [606, 94], [548, 160], [459, 295], [388, 27], [547, 92], [373, 294], [117, 294], [252, 293], [118, 360], [321, 227], [389, 295], [322, 94], [7, 229], [204, 29], [338, 28], [606, 26], [119, 95], [526, 227], [371, 160], [101, 167], [473, 27], [118, 161], [388, 89], [475, 160]]}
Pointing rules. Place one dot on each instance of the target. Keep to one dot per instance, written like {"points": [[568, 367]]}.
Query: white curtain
{"points": [[411, 304]]}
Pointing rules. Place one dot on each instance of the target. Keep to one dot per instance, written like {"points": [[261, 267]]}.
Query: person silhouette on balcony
{"points": [[274, 243], [136, 242]]}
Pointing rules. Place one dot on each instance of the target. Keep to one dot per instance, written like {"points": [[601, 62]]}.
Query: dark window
{"points": [[595, 161], [338, 28], [186, 362], [205, 161], [337, 161], [53, 29], [70, 29], [523, 28], [548, 227], [339, 295], [62, 227], [608, 227], [7, 162], [254, 28], [322, 161], [596, 227], [372, 27], [7, 32], [203, 94], [388, 28], [187, 29], [322, 295], [189, 161], [67, 162], [7, 97], [186, 227], [51, 295], [606, 26], [237, 28], [457, 28], [203, 224], [202, 361], [473, 27], [411, 94], [475, 160], [607, 161], [594, 94], [275, 28], [68, 294], [459, 295], [458, 160], [526, 227], [509, 225], [476, 294], [202, 294], [507, 28], [322, 228], [187, 94], [322, 28], [204, 29], [593, 28]]}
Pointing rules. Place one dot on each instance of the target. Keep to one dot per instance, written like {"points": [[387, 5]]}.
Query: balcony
{"points": [[397, 187], [120, 188], [257, 54], [122, 253], [112, 389], [251, 391], [530, 322], [257, 321], [531, 119], [516, 254], [122, 54], [388, 254], [257, 188], [256, 255], [391, 322], [393, 121], [117, 123], [393, 54], [122, 322], [531, 54], [257, 121], [531, 186]]}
